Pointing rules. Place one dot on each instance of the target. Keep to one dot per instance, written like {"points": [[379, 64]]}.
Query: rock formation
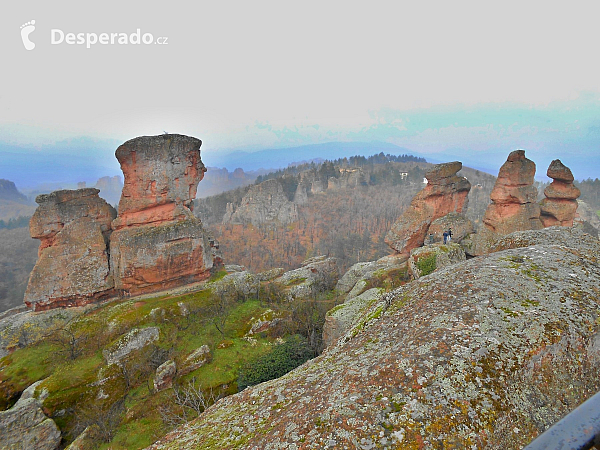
{"points": [[158, 243], [560, 204], [487, 360], [514, 197], [73, 260], [263, 203], [110, 189], [25, 426], [445, 193]]}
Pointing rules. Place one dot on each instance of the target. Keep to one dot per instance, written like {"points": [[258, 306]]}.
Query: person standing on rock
{"points": [[445, 236], [449, 235]]}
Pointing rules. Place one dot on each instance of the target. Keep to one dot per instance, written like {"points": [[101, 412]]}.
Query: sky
{"points": [[444, 79]]}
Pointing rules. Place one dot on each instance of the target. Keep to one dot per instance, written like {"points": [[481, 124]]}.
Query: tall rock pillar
{"points": [[158, 243], [560, 204]]}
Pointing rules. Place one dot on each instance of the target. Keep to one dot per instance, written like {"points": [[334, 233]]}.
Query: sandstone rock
{"points": [[165, 374], [26, 427], [514, 196], [265, 202], [343, 317], [157, 257], [134, 340], [426, 260], [560, 204], [317, 274], [460, 225], [161, 178], [197, 359], [72, 267], [445, 193], [488, 360], [158, 244], [237, 284], [389, 270]]}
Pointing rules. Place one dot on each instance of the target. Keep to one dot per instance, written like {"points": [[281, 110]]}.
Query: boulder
{"points": [[73, 261], [318, 274], [514, 197], [426, 260], [264, 203], [158, 243], [560, 205], [87, 439], [389, 271], [445, 193], [197, 359], [487, 360], [165, 374], [26, 427], [133, 340]]}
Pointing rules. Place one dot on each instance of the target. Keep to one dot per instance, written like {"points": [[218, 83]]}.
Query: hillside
{"points": [[18, 254], [344, 209]]}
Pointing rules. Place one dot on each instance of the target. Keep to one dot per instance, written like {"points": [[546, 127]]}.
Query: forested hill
{"points": [[341, 208]]}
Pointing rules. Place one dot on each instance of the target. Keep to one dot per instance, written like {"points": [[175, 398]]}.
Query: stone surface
{"points": [[197, 359], [158, 243], [26, 427], [133, 340], [460, 225], [165, 374], [586, 214], [161, 178], [264, 203], [560, 205], [445, 193], [488, 359], [514, 197], [343, 317], [364, 275], [438, 256], [73, 262], [87, 440], [157, 257], [316, 275]]}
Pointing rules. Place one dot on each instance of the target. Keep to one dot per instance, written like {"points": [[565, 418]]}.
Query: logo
{"points": [[26, 30]]}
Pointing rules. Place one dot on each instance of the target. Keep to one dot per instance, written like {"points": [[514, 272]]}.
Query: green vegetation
{"points": [[284, 357], [426, 264]]}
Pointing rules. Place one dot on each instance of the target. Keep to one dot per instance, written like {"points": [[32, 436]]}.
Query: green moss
{"points": [[427, 264], [335, 308]]}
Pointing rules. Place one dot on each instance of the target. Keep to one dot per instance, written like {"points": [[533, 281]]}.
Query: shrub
{"points": [[426, 264], [280, 360]]}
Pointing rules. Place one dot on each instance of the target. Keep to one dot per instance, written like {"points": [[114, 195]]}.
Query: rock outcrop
{"points": [[73, 261], [158, 243], [165, 374], [560, 205], [488, 360], [426, 260], [263, 203], [25, 426], [316, 275], [514, 197], [445, 193]]}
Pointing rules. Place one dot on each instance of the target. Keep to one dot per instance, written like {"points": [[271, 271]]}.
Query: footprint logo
{"points": [[26, 30]]}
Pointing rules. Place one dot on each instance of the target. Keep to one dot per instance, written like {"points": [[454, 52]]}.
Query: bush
{"points": [[280, 360], [426, 265]]}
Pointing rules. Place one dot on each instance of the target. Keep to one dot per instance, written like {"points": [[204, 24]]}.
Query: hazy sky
{"points": [[433, 76]]}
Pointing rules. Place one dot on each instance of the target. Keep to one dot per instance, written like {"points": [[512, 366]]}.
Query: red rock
{"points": [[514, 206], [72, 267], [560, 205], [158, 243], [161, 177], [445, 193]]}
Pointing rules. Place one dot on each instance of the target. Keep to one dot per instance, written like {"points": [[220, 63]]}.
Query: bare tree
{"points": [[189, 401]]}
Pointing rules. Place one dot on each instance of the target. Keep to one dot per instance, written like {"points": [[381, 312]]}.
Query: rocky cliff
{"points": [[263, 203], [158, 243], [72, 268], [445, 193], [483, 354], [514, 197]]}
